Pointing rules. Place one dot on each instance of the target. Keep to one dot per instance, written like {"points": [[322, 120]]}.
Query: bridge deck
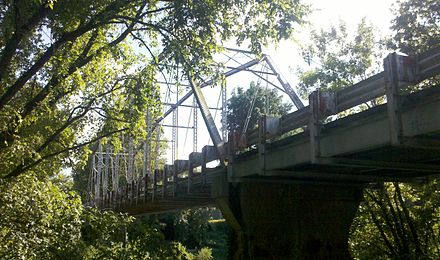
{"points": [[358, 147], [396, 141], [354, 150]]}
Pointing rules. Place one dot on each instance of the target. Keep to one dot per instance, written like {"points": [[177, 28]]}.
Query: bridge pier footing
{"points": [[291, 221]]}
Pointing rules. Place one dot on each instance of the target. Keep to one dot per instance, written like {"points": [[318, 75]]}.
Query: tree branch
{"points": [[11, 46], [100, 19], [408, 219], [400, 228], [387, 220], [6, 137], [21, 168], [379, 227]]}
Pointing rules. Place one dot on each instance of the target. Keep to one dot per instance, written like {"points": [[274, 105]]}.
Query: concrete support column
{"points": [[296, 221]]}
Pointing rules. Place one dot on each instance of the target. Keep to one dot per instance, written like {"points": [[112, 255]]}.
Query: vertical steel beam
{"points": [[174, 136], [195, 111], [99, 174], [224, 114], [314, 126], [147, 154], [176, 156], [147, 146], [156, 150]]}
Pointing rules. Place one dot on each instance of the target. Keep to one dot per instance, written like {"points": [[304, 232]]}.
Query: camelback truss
{"points": [[135, 174]]}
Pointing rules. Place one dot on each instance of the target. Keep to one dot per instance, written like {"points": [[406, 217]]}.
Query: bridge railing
{"points": [[183, 178], [399, 70]]}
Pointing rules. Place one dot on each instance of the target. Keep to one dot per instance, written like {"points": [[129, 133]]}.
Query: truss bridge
{"points": [[296, 179]]}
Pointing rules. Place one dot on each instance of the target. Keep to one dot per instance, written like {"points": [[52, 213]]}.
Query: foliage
{"points": [[219, 238], [265, 102], [398, 221], [337, 60], [192, 226], [38, 219], [112, 235], [204, 254], [416, 25], [41, 220], [70, 73]]}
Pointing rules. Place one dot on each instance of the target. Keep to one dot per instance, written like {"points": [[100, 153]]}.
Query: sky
{"points": [[327, 13], [286, 55]]}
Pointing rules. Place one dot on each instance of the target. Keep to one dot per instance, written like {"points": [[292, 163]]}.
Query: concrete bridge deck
{"points": [[358, 148]]}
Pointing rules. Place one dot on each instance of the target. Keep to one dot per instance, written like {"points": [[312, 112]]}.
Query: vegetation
{"points": [[195, 228], [398, 221], [70, 73], [74, 72], [38, 219], [43, 219], [395, 221], [253, 103], [337, 60], [415, 26]]}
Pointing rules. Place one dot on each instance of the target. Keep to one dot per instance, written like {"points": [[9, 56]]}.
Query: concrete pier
{"points": [[292, 221]]}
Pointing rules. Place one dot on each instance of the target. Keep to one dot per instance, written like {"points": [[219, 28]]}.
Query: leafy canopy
{"points": [[416, 25], [261, 100], [336, 59], [38, 219], [44, 219], [73, 72]]}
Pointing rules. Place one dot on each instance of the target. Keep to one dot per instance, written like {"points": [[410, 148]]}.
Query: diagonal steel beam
{"points": [[292, 95], [207, 83], [207, 117]]}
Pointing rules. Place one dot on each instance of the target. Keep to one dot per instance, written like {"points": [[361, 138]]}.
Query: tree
{"points": [[416, 26], [337, 60], [44, 219], [69, 75], [398, 221], [261, 100], [38, 219]]}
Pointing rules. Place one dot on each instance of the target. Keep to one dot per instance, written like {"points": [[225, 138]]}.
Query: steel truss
{"points": [[140, 164]]}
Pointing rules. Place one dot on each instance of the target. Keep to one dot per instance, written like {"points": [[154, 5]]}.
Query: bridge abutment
{"points": [[291, 221]]}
